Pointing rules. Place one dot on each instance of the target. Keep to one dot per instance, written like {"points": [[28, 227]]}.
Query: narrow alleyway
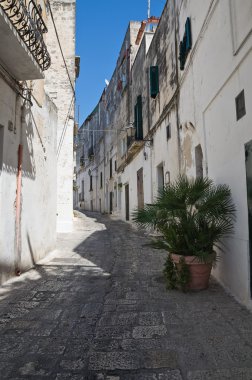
{"points": [[98, 309]]}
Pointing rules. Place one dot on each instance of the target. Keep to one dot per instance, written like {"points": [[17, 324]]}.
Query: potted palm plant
{"points": [[191, 218]]}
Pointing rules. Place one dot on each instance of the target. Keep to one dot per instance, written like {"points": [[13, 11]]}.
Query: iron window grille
{"points": [[26, 17]]}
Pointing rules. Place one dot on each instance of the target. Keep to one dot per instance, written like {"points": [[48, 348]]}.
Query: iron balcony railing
{"points": [[26, 17]]}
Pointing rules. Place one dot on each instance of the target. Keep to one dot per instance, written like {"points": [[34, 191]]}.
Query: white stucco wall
{"points": [[36, 131], [219, 70]]}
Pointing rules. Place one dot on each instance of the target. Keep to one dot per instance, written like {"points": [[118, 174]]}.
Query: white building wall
{"points": [[35, 130], [219, 70]]}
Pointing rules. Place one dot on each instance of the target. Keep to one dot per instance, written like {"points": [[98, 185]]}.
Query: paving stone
{"points": [[73, 364], [160, 359], [224, 374], [144, 344], [69, 376], [149, 331], [150, 318], [114, 360], [160, 375]]}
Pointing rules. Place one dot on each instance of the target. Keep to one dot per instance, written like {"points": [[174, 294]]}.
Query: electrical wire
{"points": [[13, 83], [65, 126], [62, 54]]}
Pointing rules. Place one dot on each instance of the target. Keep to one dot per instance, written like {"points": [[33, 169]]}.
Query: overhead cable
{"points": [[65, 126]]}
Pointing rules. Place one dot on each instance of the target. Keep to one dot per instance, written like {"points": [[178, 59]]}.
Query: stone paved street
{"points": [[98, 309]]}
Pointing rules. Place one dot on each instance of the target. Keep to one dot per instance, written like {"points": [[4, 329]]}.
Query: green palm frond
{"points": [[191, 215]]}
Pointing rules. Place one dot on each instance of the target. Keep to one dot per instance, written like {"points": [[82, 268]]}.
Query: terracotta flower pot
{"points": [[199, 272]]}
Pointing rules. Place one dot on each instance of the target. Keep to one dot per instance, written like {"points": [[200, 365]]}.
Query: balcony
{"points": [[134, 145], [23, 52], [91, 153]]}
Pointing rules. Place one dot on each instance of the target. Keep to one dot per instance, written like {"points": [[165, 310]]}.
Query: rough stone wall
{"points": [[59, 89]]}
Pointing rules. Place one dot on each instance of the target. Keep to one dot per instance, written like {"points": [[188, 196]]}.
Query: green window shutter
{"points": [[139, 129], [188, 34], [135, 117], [154, 81]]}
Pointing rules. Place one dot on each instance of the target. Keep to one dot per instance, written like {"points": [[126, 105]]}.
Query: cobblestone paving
{"points": [[97, 309]]}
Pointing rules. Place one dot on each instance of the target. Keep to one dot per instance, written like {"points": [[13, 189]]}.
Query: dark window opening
{"points": [[199, 161], [168, 132], [101, 181], [154, 81], [82, 190], [240, 105], [138, 122], [91, 183], [82, 161], [110, 168], [115, 166]]}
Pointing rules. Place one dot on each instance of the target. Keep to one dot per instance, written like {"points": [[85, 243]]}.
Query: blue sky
{"points": [[101, 26]]}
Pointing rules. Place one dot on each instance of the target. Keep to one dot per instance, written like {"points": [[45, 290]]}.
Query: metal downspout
{"points": [[177, 87], [18, 201]]}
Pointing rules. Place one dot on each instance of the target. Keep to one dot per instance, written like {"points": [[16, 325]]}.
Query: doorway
{"points": [[127, 202], [111, 202], [248, 161], [1, 146], [160, 177], [140, 188], [199, 161]]}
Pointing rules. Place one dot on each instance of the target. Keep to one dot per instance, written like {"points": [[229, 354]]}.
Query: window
{"points": [[199, 161], [110, 168], [138, 116], [91, 183], [240, 105], [168, 132], [186, 44], [82, 190], [115, 166], [154, 81], [82, 161], [101, 181], [160, 177]]}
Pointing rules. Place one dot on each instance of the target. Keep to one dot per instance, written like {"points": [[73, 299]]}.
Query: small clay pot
{"points": [[199, 271]]}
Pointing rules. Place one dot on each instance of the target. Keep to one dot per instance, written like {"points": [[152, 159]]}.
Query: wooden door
{"points": [[111, 202], [248, 160], [140, 188], [127, 201]]}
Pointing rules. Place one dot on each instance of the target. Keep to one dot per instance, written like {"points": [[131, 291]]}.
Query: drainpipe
{"points": [[18, 198], [177, 86]]}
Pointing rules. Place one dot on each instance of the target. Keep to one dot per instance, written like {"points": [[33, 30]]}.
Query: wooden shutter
{"points": [[188, 34], [139, 119]]}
